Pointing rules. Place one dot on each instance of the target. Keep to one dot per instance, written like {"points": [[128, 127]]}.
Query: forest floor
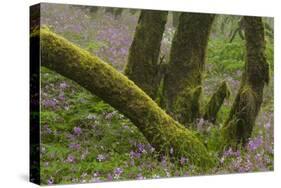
{"points": [[86, 140]]}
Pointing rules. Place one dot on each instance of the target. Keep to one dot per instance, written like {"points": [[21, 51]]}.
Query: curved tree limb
{"points": [[161, 131]]}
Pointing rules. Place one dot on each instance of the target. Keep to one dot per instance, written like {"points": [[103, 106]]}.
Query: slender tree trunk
{"points": [[216, 102], [143, 65], [239, 125], [109, 10], [118, 13], [182, 83], [176, 16], [161, 131], [94, 9]]}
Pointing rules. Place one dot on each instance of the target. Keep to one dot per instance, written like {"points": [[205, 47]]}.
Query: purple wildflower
{"points": [[118, 171], [140, 177], [231, 153], [134, 155], [48, 130], [50, 181], [267, 125], [63, 85], [163, 162], [141, 148], [77, 130], [96, 177], [50, 103], [70, 159], [255, 143], [100, 157], [109, 177], [61, 96], [74, 146], [183, 160]]}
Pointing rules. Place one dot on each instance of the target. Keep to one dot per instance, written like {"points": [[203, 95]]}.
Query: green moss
{"points": [[187, 105], [162, 132], [186, 64], [216, 101], [239, 125]]}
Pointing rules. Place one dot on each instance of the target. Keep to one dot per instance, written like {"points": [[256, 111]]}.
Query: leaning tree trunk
{"points": [[182, 82], [239, 125], [142, 66], [161, 131]]}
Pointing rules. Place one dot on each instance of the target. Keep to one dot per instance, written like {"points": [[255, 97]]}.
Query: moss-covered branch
{"points": [[142, 65], [182, 82], [162, 132], [216, 102], [239, 125]]}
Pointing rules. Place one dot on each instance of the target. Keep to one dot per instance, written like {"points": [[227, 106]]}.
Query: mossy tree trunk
{"points": [[216, 102], [161, 131], [143, 65], [239, 125], [182, 82]]}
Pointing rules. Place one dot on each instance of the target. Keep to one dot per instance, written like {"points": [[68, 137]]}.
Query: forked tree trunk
{"points": [[161, 131], [182, 83], [239, 125], [216, 102], [142, 66]]}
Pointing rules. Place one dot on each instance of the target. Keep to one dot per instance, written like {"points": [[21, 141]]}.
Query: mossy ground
{"points": [[68, 156]]}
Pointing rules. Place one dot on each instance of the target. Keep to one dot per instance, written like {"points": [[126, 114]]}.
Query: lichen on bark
{"points": [[182, 82], [143, 61], [239, 125], [102, 80]]}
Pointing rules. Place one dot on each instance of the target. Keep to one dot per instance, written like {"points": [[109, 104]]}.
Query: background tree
{"points": [[239, 125], [182, 82], [176, 16], [143, 61]]}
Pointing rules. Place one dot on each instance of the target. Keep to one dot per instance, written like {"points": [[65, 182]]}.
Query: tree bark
{"points": [[102, 80], [182, 82], [239, 125], [216, 102], [176, 16], [142, 65]]}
